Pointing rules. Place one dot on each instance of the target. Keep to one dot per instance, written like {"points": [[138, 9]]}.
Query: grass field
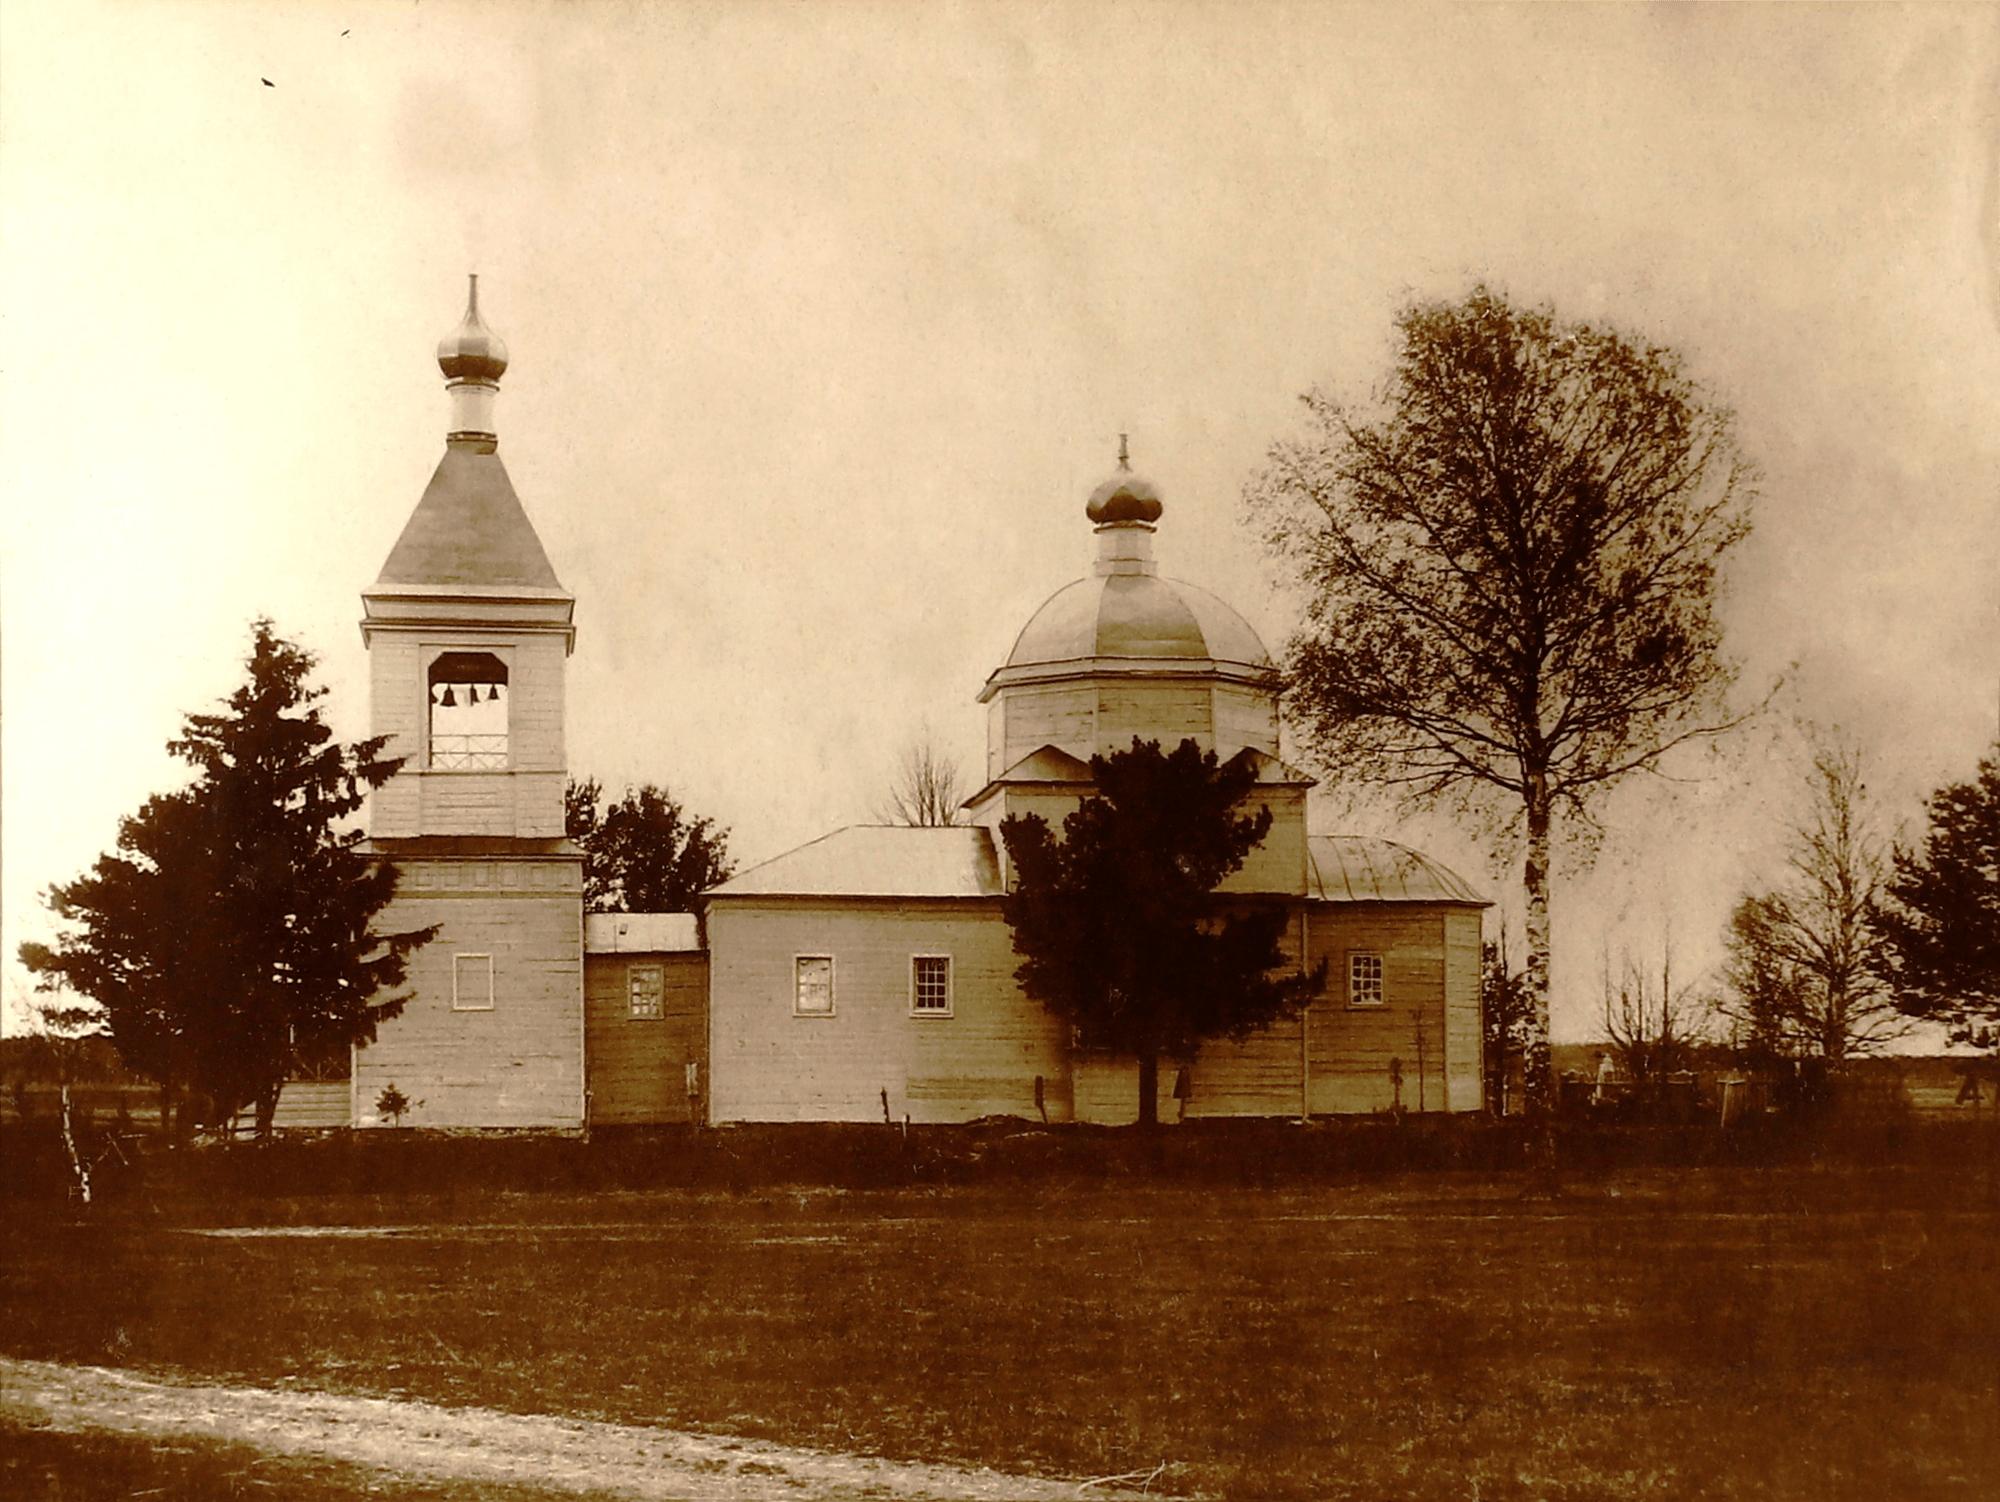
{"points": [[1791, 1332]]}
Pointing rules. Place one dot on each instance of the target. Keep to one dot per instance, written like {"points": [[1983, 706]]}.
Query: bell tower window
{"points": [[468, 713]]}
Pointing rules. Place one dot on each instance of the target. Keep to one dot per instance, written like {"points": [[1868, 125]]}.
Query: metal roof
{"points": [[1136, 615], [639, 933], [470, 529], [878, 860], [1356, 868]]}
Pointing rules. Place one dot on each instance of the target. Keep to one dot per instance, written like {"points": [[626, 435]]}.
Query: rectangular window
{"points": [[648, 984], [812, 994], [930, 985], [1364, 980], [472, 983]]}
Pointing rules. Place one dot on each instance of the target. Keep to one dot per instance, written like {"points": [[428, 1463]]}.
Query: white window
{"points": [[468, 713], [472, 983], [930, 985], [648, 987], [812, 992], [1364, 980]]}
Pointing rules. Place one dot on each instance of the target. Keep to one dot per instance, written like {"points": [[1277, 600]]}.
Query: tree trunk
{"points": [[1540, 1070], [267, 1109], [1149, 1087]]}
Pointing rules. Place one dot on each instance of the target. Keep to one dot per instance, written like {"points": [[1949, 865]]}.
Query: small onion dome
{"points": [[1125, 497], [472, 351]]}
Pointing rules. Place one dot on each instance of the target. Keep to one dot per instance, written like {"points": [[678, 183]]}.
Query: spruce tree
{"points": [[231, 935], [1119, 928]]}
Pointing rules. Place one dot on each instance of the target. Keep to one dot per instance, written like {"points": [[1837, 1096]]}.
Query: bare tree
{"points": [[1807, 957], [1510, 567], [1653, 1032], [925, 792]]}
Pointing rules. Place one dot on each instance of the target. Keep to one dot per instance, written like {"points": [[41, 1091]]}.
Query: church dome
{"points": [[1127, 610], [1136, 615]]}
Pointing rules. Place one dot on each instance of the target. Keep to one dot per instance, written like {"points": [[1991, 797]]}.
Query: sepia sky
{"points": [[824, 321]]}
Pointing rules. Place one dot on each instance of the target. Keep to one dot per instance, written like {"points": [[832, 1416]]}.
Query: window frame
{"points": [[458, 1001], [1356, 994], [799, 1011], [632, 976], [946, 1010]]}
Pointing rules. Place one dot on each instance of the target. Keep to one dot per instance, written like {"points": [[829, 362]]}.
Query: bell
{"points": [[447, 701]]}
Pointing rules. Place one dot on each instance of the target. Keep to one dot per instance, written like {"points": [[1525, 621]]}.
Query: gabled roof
{"points": [[878, 860], [1269, 769], [469, 530], [1045, 765], [1356, 868]]}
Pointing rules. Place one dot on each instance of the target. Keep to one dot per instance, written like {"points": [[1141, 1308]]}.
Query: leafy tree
{"points": [[1806, 959], [925, 792], [1510, 564], [643, 854], [1118, 926], [1942, 924], [1763, 992], [1506, 1018], [232, 934]]}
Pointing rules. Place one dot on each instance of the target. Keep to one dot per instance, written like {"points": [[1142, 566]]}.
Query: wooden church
{"points": [[869, 972]]}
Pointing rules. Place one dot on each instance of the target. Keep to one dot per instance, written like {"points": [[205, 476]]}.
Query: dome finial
{"points": [[1125, 497], [473, 359]]}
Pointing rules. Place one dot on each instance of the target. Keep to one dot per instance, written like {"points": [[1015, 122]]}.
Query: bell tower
{"points": [[468, 632]]}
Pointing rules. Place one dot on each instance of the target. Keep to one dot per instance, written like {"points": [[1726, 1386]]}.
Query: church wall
{"points": [[519, 1063], [1245, 717], [1279, 863], [1351, 1046], [1165, 712], [1062, 716], [1464, 1044], [638, 1065], [769, 1064], [395, 810]]}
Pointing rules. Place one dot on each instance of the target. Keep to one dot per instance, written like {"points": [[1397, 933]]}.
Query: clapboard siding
{"points": [[639, 1065], [768, 1064], [1279, 863], [523, 801], [519, 1064], [1063, 716], [1245, 717], [1351, 1048], [1463, 1027], [303, 1106], [1165, 712]]}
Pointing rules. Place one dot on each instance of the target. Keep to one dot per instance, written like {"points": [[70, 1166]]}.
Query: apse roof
{"points": [[470, 530], [878, 860], [1357, 868]]}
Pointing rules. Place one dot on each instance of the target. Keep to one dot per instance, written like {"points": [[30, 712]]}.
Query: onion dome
{"points": [[472, 351], [1125, 497]]}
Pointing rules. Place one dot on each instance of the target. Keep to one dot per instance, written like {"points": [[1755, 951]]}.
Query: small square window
{"points": [[1364, 980], [812, 994], [930, 985], [648, 987], [472, 983]]}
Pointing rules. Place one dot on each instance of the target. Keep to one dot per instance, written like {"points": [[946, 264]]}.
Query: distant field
{"points": [[1794, 1333]]}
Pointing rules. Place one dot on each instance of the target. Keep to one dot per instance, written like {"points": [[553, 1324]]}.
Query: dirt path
{"points": [[412, 1439]]}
